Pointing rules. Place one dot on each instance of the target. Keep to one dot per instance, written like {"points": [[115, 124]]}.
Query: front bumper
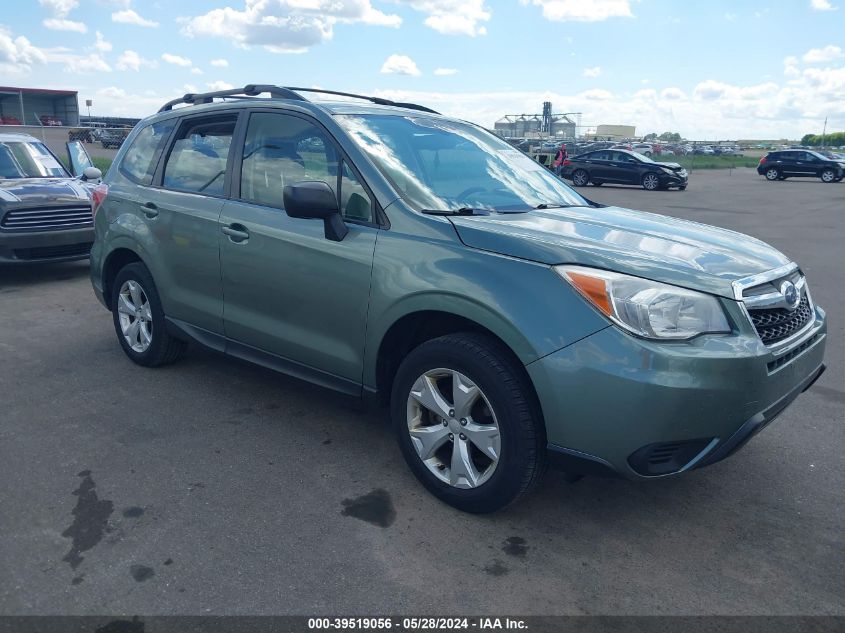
{"points": [[618, 405], [28, 247]]}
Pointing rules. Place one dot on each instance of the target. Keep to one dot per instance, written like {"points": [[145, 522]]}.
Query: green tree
{"points": [[650, 137], [670, 136]]}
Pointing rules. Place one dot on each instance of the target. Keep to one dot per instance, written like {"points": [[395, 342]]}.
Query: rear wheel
{"points": [[580, 178], [772, 173], [466, 424], [828, 175], [139, 319], [651, 182]]}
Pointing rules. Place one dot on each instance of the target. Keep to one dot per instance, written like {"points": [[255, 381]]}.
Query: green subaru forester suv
{"points": [[393, 254]]}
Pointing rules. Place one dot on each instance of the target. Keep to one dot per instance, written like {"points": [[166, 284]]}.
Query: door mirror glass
{"points": [[314, 199], [79, 158]]}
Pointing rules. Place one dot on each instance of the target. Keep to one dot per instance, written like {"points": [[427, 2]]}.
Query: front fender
{"points": [[526, 304]]}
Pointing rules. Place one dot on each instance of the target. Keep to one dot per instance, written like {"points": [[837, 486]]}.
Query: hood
{"points": [[648, 245], [42, 191], [672, 166]]}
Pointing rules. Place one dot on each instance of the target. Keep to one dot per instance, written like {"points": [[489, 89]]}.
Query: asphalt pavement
{"points": [[215, 487]]}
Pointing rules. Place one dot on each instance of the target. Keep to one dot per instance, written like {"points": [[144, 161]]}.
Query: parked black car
{"points": [[800, 163], [624, 168]]}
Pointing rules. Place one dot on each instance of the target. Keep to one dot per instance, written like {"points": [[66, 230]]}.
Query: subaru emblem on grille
{"points": [[791, 296]]}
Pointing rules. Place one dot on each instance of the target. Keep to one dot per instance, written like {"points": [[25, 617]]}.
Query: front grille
{"points": [[49, 252], [47, 218], [777, 324]]}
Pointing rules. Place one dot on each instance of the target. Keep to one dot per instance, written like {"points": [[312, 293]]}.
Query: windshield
{"points": [[437, 164], [641, 157], [28, 159]]}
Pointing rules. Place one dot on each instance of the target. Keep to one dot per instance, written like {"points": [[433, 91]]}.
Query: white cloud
{"points": [[85, 64], [454, 17], [595, 71], [220, 63], [400, 65], [284, 26], [62, 24], [445, 72], [196, 71], [59, 10], [730, 17], [101, 44], [129, 16], [597, 94], [821, 55], [17, 54], [190, 89], [176, 60], [790, 66], [130, 60], [822, 5], [582, 10], [219, 85], [672, 94], [118, 102]]}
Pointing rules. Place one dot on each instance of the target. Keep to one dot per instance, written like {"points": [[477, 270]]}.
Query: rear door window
{"points": [[199, 155], [140, 160]]}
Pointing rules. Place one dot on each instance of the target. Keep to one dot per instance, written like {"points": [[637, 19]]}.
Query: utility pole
{"points": [[824, 133]]}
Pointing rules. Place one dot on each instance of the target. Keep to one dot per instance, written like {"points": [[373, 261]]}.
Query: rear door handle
{"points": [[236, 232], [150, 210]]}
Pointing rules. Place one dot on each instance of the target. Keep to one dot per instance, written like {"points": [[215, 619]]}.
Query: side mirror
{"points": [[314, 199], [91, 173]]}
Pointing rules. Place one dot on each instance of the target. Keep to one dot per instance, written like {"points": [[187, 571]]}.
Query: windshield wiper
{"points": [[555, 206], [461, 211]]}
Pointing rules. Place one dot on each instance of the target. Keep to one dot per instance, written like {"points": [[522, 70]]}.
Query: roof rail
{"points": [[281, 92], [250, 90], [376, 100]]}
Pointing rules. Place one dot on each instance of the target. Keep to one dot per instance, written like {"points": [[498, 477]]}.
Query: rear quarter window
{"points": [[140, 160]]}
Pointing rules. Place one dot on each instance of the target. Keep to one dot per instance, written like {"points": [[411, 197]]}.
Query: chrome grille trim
{"points": [[47, 218], [762, 302]]}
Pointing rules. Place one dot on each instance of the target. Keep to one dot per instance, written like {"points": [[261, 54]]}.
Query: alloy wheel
{"points": [[651, 182], [828, 176], [580, 178], [453, 428], [772, 174], [135, 316]]}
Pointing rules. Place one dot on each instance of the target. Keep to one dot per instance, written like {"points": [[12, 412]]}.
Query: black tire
{"points": [[580, 178], [483, 360], [827, 175], [682, 188], [650, 181], [597, 184], [772, 174], [163, 348]]}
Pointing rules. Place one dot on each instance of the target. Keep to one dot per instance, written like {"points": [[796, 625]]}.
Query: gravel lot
{"points": [[215, 487]]}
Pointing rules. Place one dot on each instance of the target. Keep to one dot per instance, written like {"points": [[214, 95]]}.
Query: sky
{"points": [[711, 70]]}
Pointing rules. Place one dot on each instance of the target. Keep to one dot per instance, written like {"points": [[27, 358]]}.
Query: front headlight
{"points": [[647, 308]]}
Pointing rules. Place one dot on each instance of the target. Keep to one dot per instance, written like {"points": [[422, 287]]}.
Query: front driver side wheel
{"points": [[139, 319], [828, 175], [651, 182], [466, 422]]}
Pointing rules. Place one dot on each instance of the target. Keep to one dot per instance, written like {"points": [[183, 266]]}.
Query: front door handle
{"points": [[236, 232], [150, 210]]}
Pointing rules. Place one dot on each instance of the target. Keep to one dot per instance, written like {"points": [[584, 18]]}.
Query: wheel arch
{"points": [[113, 263], [415, 326]]}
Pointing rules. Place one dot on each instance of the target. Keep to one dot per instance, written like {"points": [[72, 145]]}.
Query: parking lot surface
{"points": [[215, 487]]}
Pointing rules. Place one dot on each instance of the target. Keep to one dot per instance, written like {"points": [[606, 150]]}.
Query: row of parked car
{"points": [[107, 137]]}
